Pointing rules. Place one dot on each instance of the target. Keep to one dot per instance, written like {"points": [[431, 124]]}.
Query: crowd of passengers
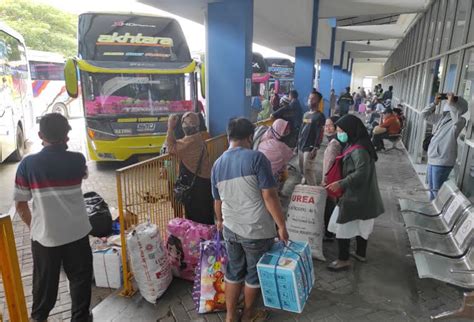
{"points": [[240, 192]]}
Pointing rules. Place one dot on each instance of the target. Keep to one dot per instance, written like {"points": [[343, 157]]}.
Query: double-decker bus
{"points": [[16, 113], [260, 76], [282, 71], [135, 70], [47, 82]]}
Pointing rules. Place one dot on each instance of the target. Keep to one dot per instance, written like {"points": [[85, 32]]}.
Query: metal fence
{"points": [[10, 271], [145, 194]]}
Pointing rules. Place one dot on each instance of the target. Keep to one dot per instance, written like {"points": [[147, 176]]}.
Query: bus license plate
{"points": [[146, 127]]}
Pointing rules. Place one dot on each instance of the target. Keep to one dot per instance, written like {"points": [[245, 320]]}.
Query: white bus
{"points": [[16, 112], [49, 92]]}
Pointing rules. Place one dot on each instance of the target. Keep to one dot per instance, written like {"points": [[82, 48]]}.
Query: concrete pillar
{"points": [[305, 59], [326, 72], [339, 74], [229, 29]]}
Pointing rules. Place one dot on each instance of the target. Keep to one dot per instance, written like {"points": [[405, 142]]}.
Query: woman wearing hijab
{"points": [[361, 202], [273, 147], [333, 149], [194, 163]]}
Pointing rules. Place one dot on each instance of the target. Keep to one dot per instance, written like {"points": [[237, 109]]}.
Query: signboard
{"points": [[131, 38], [280, 67]]}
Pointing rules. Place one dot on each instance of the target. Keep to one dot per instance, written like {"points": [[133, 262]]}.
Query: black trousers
{"points": [[76, 259], [344, 246], [378, 139]]}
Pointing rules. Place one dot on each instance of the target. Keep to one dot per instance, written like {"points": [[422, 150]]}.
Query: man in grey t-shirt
{"points": [[247, 208]]}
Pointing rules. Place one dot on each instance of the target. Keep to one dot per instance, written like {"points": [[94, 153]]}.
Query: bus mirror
{"points": [[202, 79], [70, 75]]}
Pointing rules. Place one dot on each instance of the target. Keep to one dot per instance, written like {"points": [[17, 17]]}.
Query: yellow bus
{"points": [[134, 70]]}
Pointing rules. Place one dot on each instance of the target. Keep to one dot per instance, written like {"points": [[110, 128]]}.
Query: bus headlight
{"points": [[100, 136]]}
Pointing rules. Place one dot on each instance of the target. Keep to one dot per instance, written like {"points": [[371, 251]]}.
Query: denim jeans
{"points": [[243, 255], [437, 175]]}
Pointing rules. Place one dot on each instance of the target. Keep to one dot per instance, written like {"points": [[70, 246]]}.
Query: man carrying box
{"points": [[247, 208]]}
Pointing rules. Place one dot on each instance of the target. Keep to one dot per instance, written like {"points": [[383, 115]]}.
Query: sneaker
{"points": [[338, 266]]}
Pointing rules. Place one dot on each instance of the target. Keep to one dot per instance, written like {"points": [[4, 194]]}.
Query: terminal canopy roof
{"points": [[283, 25]]}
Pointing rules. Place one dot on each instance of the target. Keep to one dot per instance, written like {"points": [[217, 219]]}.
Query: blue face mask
{"points": [[342, 136]]}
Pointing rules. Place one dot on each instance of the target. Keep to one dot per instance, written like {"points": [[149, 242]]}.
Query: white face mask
{"points": [[446, 107]]}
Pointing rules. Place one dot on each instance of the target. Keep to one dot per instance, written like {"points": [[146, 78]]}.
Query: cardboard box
{"points": [[286, 276], [108, 268]]}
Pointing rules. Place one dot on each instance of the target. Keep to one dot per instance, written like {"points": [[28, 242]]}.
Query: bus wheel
{"points": [[20, 145], [60, 108]]}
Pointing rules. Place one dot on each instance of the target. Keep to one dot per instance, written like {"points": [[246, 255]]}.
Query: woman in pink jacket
{"points": [[273, 147]]}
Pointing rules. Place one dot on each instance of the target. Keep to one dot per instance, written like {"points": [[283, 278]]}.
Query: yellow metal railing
{"points": [[11, 276], [145, 193]]}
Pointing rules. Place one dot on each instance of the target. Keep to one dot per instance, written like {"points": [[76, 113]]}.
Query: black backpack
{"points": [[99, 215]]}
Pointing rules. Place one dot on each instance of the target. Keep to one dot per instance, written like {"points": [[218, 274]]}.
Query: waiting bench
{"points": [[434, 208], [443, 247], [442, 223]]}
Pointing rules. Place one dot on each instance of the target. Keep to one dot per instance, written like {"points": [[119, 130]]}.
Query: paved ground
{"points": [[387, 288], [384, 289]]}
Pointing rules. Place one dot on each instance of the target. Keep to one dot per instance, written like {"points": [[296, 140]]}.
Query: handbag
{"points": [[427, 141], [335, 172], [182, 191]]}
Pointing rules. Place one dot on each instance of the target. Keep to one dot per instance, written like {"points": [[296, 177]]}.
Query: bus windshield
{"points": [[134, 94]]}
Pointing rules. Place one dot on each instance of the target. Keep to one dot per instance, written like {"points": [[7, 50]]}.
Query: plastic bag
{"points": [[149, 261], [209, 285], [306, 217], [183, 245], [99, 214]]}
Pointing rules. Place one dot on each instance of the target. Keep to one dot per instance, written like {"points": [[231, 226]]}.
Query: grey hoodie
{"points": [[443, 148]]}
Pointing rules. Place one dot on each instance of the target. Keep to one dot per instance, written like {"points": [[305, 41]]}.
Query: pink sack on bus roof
{"points": [[184, 237]]}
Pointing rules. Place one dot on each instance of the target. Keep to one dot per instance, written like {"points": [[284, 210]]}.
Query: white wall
{"points": [[361, 70]]}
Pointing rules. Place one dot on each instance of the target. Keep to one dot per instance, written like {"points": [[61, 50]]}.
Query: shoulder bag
{"points": [[335, 172], [182, 191]]}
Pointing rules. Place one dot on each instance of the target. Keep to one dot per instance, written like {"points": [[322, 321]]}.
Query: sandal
{"points": [[259, 316], [359, 258], [338, 266]]}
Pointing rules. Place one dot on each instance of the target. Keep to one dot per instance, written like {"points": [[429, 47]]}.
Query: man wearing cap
{"points": [[58, 221], [390, 126], [443, 147]]}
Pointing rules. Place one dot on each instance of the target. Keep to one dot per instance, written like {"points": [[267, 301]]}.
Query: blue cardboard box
{"points": [[286, 276]]}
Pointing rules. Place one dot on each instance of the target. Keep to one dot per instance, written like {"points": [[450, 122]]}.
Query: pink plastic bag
{"points": [[184, 238], [362, 108]]}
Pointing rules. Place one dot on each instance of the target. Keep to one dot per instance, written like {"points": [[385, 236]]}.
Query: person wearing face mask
{"points": [[443, 147], [333, 149], [194, 166], [272, 145], [360, 202], [310, 138], [249, 213]]}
